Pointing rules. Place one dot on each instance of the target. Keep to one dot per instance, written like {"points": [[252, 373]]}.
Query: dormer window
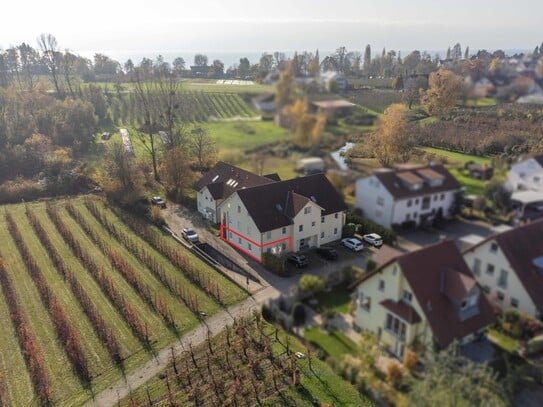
{"points": [[494, 247], [407, 296]]}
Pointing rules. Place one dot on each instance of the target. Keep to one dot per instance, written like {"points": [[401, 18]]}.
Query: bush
{"points": [[367, 226], [267, 314], [370, 265], [156, 216], [298, 314], [348, 230], [409, 224], [410, 360], [350, 274], [534, 346], [273, 263], [394, 373]]}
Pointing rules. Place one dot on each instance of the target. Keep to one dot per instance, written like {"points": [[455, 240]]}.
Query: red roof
{"points": [[403, 310]]}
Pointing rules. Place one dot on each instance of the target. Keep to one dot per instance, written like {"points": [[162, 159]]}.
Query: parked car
{"points": [[299, 260], [158, 201], [352, 243], [190, 235], [374, 239], [327, 252]]}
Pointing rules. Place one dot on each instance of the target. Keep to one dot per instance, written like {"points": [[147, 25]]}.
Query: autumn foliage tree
{"points": [[307, 129], [390, 140], [444, 90], [284, 89]]}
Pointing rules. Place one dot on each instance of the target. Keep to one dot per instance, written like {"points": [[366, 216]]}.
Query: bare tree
{"points": [[202, 146], [51, 55]]}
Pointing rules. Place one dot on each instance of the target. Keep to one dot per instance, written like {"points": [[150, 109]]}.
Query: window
{"points": [[486, 289], [522, 175], [239, 209], [283, 246], [239, 240], [477, 267], [514, 302], [407, 296], [268, 235], [442, 197], [301, 228], [284, 231], [415, 215], [494, 248], [407, 217], [490, 269], [380, 201], [268, 250], [435, 198], [426, 202], [248, 230], [307, 210], [502, 279], [249, 246], [395, 326], [313, 224], [364, 301], [322, 235], [229, 235], [336, 215], [335, 231], [500, 296], [536, 180], [381, 285], [417, 201], [409, 203], [322, 219]]}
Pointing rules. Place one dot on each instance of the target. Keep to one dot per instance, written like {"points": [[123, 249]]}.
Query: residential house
{"points": [[414, 195], [265, 105], [280, 217], [334, 81], [333, 109], [220, 182], [422, 299], [477, 171], [526, 175], [509, 267]]}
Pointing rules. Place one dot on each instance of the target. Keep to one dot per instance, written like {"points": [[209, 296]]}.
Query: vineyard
{"points": [[250, 363], [89, 292], [194, 106]]}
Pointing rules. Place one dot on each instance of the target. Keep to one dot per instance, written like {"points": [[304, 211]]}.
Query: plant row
{"points": [[106, 284], [27, 341], [66, 332], [158, 304], [142, 254], [156, 241], [104, 333]]}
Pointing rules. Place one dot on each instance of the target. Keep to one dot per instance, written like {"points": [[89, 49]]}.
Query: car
{"points": [[299, 260], [158, 201], [374, 239], [190, 235], [352, 243], [327, 252]]}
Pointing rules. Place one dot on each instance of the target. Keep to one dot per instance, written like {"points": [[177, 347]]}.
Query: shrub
{"points": [[534, 346], [394, 373], [350, 274], [273, 263], [410, 360], [156, 216], [298, 314], [367, 226], [267, 314], [348, 230], [370, 265]]}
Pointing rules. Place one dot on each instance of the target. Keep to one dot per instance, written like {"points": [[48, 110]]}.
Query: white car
{"points": [[352, 243], [190, 235], [374, 239]]}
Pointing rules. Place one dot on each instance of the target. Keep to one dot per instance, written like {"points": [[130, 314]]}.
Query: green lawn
{"points": [[503, 341], [459, 158], [334, 344], [338, 300], [473, 186], [243, 136]]}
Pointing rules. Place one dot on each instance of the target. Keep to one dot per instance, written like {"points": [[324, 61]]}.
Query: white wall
{"points": [[521, 176], [331, 228], [401, 209], [374, 200], [205, 200], [514, 289]]}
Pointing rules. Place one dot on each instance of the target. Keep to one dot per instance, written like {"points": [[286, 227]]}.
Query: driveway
{"points": [[416, 239]]}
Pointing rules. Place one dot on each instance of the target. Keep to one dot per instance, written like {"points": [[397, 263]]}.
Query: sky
{"points": [[121, 28]]}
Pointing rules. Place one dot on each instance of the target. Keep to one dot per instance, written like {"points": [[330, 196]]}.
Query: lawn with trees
{"points": [[90, 292]]}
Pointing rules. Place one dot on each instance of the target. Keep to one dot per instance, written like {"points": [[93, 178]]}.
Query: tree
{"points": [[397, 83], [121, 178], [217, 68], [314, 66], [412, 93], [367, 59], [178, 65], [444, 90], [311, 284], [284, 89], [244, 68], [265, 64], [202, 146], [200, 60], [390, 140], [51, 57], [499, 195], [176, 171], [449, 380], [456, 53], [466, 53]]}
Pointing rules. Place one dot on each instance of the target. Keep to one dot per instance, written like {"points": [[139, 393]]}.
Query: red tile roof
{"points": [[403, 310]]}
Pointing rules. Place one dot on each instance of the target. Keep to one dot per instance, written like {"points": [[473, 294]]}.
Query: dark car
{"points": [[158, 201], [299, 260], [327, 252]]}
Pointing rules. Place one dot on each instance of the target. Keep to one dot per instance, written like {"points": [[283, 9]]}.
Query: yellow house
{"points": [[427, 298], [509, 267]]}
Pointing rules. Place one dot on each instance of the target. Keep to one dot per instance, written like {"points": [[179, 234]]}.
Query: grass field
{"points": [[93, 239], [333, 343], [252, 360]]}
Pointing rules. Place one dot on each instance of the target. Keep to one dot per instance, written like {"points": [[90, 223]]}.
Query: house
{"points": [[310, 165], [509, 267], [284, 216], [199, 71], [265, 105], [528, 205], [220, 182], [333, 109], [334, 81], [526, 175], [422, 299], [416, 195]]}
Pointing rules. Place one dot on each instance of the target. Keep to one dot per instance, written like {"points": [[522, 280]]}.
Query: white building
{"points": [[526, 175], [419, 194], [509, 267], [282, 216], [220, 182]]}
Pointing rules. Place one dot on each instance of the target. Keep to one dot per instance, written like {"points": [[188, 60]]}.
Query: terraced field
{"points": [[198, 106], [87, 293]]}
